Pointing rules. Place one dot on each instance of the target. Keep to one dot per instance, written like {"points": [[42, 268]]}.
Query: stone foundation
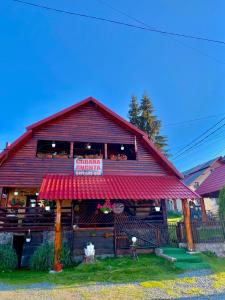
{"points": [[6, 238], [217, 248]]}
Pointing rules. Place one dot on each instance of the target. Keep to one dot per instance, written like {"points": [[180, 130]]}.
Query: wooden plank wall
{"points": [[87, 124]]}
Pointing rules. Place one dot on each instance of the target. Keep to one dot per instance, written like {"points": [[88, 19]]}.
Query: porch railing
{"points": [[22, 219]]}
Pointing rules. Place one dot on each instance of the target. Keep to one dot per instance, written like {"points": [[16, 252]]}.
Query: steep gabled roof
{"points": [[213, 183], [192, 174], [202, 166], [164, 161]]}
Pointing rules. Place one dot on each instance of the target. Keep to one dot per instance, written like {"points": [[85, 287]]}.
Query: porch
{"points": [[82, 220]]}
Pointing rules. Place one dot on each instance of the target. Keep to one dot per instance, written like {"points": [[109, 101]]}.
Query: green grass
{"points": [[216, 264], [123, 270], [174, 220], [115, 270], [174, 217]]}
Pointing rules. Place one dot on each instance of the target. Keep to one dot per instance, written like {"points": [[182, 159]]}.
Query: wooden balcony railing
{"points": [[24, 218]]}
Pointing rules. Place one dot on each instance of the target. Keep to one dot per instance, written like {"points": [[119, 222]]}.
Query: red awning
{"points": [[61, 187]]}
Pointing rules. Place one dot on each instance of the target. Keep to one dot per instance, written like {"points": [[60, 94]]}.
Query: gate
{"points": [[148, 235]]}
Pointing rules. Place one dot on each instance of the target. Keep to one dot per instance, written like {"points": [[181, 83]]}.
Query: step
{"points": [[170, 250], [188, 258], [191, 266]]}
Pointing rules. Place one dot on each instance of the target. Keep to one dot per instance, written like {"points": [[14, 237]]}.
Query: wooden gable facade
{"points": [[87, 122]]}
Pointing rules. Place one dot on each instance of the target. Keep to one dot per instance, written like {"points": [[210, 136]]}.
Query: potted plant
{"points": [[106, 207], [47, 205], [16, 202]]}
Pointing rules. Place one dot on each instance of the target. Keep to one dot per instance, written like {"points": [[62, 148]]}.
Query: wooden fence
{"points": [[212, 231]]}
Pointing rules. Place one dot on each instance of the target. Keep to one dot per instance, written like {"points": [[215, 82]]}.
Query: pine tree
{"points": [[133, 112], [143, 117], [222, 204]]}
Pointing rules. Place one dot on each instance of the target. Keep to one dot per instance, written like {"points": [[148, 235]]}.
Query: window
{"points": [[88, 150], [121, 152], [53, 149]]}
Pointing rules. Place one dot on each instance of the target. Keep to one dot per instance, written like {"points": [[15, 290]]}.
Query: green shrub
{"points": [[222, 203], [42, 259], [65, 256], [209, 253], [173, 214], [8, 258]]}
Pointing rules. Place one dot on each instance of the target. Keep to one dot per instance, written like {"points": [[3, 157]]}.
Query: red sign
{"points": [[87, 166]]}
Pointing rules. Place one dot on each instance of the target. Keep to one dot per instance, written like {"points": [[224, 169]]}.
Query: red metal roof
{"points": [[156, 152], [113, 187], [213, 183]]}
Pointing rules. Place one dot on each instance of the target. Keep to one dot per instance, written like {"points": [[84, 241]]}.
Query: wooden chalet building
{"points": [[87, 175]]}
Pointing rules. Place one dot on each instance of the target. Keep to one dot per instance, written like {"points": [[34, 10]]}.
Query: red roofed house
{"points": [[94, 177], [196, 177], [211, 187]]}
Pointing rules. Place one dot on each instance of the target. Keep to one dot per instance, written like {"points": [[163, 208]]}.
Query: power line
{"points": [[196, 149], [197, 143], [198, 137], [192, 120], [151, 27], [119, 22]]}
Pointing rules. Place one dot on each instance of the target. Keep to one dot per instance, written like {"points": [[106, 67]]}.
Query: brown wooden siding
{"points": [[24, 169]]}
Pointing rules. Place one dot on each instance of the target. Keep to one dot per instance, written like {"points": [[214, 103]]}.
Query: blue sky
{"points": [[49, 61]]}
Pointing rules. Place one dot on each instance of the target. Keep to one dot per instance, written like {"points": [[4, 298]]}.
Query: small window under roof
{"points": [[88, 150], [53, 149], [121, 152]]}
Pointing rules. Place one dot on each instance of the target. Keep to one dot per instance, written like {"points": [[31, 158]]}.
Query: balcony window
{"points": [[53, 149], [121, 152], [88, 150]]}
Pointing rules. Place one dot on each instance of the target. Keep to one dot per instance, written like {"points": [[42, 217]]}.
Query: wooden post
{"points": [[187, 224], [164, 210], [57, 243], [203, 210], [71, 149], [105, 151]]}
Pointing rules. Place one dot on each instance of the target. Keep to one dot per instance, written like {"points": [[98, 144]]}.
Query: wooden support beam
{"points": [[187, 224], [135, 144], [57, 243], [105, 151], [204, 216], [71, 149], [164, 210]]}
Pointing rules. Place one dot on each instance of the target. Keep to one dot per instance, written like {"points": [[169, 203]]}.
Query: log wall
{"points": [[87, 124]]}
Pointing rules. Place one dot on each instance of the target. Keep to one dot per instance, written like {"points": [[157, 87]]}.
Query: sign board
{"points": [[86, 166]]}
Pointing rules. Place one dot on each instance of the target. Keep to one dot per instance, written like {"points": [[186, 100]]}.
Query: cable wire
{"points": [[151, 27], [198, 142], [119, 22]]}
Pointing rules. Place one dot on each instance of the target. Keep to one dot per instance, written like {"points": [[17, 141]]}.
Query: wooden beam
{"points": [[57, 243], [204, 216], [164, 210], [105, 151], [187, 224], [71, 149], [135, 144]]}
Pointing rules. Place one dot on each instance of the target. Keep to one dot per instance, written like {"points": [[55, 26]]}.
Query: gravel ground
{"points": [[195, 285]]}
